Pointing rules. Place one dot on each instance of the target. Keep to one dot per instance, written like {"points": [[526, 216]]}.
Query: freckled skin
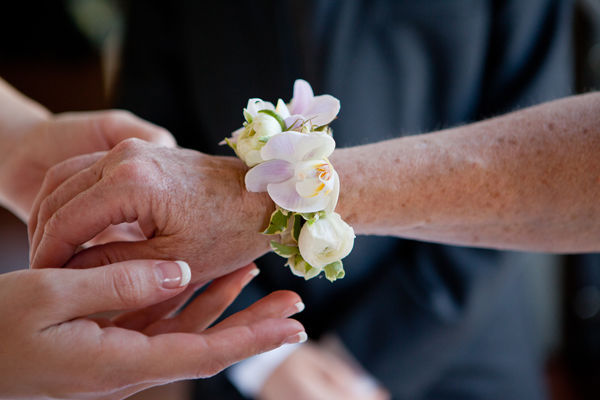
{"points": [[529, 180], [508, 182]]}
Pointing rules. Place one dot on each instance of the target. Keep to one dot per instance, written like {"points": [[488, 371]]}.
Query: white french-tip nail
{"points": [[302, 337], [251, 275], [186, 273], [299, 337], [299, 306]]}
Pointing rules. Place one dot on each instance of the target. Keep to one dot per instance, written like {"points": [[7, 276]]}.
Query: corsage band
{"points": [[287, 148]]}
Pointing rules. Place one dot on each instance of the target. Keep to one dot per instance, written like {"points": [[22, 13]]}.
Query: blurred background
{"points": [[65, 55]]}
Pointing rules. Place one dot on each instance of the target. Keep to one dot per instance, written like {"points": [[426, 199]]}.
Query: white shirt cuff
{"points": [[249, 375]]}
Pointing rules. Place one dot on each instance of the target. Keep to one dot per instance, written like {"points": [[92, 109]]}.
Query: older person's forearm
{"points": [[529, 180]]}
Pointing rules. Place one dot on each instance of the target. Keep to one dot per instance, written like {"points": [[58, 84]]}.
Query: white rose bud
{"points": [[327, 240], [254, 137]]}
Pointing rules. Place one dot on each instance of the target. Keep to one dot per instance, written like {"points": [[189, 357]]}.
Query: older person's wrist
{"points": [[258, 207]]}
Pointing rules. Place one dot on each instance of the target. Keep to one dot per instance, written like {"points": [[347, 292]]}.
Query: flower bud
{"points": [[254, 137], [326, 240]]}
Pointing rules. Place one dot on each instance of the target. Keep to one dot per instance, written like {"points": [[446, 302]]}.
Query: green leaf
{"points": [[311, 271], [298, 222], [277, 117], [283, 250], [297, 263], [308, 216], [247, 116], [334, 271], [311, 218], [278, 222], [301, 266]]}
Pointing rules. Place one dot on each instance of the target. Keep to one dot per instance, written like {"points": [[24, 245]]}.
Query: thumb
{"points": [[114, 252], [120, 286]]}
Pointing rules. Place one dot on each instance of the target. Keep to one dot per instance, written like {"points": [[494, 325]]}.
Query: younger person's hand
{"points": [[51, 348], [47, 140]]}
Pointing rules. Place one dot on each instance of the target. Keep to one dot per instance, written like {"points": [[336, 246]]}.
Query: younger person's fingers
{"points": [[114, 126], [113, 252], [121, 286], [139, 320], [177, 356], [279, 304], [209, 305]]}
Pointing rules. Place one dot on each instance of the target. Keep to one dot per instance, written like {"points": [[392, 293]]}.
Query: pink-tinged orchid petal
{"points": [[295, 146], [335, 193], [284, 194], [274, 171], [303, 95], [322, 110], [294, 121]]}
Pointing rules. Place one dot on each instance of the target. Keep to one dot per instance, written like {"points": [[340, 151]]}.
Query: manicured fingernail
{"points": [[295, 309], [251, 275], [299, 337], [173, 274]]}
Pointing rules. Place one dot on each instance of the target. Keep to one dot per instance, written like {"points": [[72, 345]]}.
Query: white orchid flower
{"points": [[326, 240], [306, 107], [296, 172]]}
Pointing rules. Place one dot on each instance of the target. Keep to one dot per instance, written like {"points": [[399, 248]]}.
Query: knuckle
{"points": [[45, 286], [54, 219], [212, 367], [46, 209], [131, 171], [53, 174], [126, 286], [129, 147]]}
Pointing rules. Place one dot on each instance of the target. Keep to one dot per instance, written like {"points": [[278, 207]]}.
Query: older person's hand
{"points": [[188, 205], [50, 348], [44, 140], [312, 372]]}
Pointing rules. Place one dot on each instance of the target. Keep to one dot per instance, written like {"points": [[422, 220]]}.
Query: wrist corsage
{"points": [[287, 148]]}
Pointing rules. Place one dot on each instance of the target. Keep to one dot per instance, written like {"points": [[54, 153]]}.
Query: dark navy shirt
{"points": [[429, 321]]}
